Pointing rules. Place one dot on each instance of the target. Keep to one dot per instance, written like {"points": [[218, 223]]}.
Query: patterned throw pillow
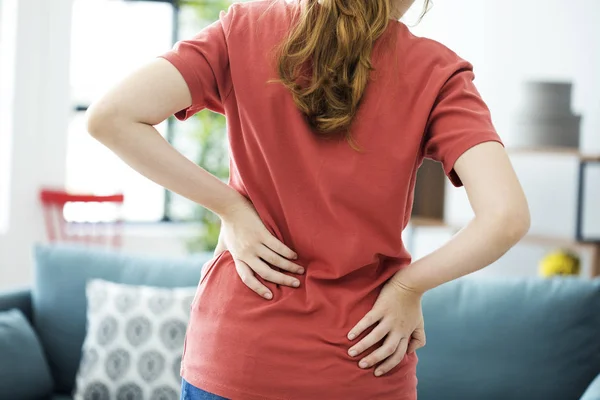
{"points": [[134, 342]]}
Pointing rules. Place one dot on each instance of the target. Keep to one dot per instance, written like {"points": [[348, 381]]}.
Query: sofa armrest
{"points": [[593, 391], [19, 299]]}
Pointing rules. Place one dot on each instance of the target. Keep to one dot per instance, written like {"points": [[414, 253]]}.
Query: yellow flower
{"points": [[560, 262]]}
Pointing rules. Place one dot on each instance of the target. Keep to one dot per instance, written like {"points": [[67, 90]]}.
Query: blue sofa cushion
{"points": [[19, 299], [59, 302], [24, 372], [510, 339]]}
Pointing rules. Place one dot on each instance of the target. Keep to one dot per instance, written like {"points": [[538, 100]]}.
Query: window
{"points": [[203, 137], [139, 31], [109, 40]]}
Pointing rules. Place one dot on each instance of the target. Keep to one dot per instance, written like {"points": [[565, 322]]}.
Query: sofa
{"points": [[56, 305], [508, 339]]}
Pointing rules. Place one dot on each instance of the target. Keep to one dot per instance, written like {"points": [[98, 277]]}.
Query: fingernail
{"points": [[296, 283], [378, 373], [352, 353], [301, 271], [351, 336], [268, 296], [295, 256], [362, 364]]}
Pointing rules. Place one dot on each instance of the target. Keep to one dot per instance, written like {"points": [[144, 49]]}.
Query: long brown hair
{"points": [[326, 60]]}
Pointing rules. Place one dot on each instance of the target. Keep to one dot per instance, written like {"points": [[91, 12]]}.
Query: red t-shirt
{"points": [[341, 210]]}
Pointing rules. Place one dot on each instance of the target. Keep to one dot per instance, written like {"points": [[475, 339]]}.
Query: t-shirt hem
{"points": [[192, 81], [223, 390]]}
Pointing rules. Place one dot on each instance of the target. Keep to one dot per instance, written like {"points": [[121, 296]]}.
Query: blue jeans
{"points": [[189, 392]]}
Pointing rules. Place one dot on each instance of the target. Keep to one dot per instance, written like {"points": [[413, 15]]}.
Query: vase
{"points": [[545, 118]]}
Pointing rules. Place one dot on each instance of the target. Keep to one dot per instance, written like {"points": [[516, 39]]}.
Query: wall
{"points": [[34, 124], [35, 108], [562, 45], [510, 41], [7, 31]]}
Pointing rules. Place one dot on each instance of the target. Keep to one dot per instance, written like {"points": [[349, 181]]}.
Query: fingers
{"points": [[388, 348], [369, 319], [273, 252], [274, 244], [394, 359], [248, 278], [371, 339], [269, 274], [417, 340], [278, 261]]}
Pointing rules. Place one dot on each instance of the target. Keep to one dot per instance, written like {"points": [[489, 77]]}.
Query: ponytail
{"points": [[325, 62]]}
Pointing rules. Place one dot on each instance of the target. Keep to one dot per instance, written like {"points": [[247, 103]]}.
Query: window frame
{"points": [[170, 127]]}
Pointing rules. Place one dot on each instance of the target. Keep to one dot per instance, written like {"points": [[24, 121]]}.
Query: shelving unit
{"points": [[577, 246], [430, 182], [584, 160], [556, 151]]}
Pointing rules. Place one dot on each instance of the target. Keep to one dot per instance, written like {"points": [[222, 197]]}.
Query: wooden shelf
{"points": [[560, 242], [427, 222], [559, 151], [542, 240], [590, 157]]}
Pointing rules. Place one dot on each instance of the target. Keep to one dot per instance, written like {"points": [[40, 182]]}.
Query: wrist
{"points": [[231, 205], [407, 283]]}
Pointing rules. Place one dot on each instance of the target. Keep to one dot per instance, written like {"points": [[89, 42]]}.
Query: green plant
{"points": [[211, 138], [207, 10], [213, 156]]}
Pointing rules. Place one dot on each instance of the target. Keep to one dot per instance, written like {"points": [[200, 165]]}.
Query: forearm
{"points": [[479, 244], [145, 150]]}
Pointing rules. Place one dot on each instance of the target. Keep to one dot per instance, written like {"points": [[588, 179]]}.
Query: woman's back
{"points": [[342, 209]]}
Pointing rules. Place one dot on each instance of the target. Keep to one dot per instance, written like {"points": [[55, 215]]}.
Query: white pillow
{"points": [[134, 342]]}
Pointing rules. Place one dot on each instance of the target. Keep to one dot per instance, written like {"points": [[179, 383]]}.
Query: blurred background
{"points": [[536, 65]]}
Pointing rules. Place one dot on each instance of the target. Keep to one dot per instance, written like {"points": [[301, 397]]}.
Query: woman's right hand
{"points": [[252, 246]]}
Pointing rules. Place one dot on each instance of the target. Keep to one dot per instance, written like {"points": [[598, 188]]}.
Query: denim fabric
{"points": [[189, 392]]}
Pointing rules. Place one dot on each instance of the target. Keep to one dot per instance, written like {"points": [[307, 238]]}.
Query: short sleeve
{"points": [[458, 121], [203, 61]]}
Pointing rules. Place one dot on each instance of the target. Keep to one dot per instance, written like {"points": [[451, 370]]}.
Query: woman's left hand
{"points": [[399, 318]]}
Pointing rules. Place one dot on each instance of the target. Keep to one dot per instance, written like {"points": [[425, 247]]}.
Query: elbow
{"points": [[515, 223], [100, 121], [519, 225], [509, 224]]}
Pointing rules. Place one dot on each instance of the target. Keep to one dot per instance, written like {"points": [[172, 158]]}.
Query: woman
{"points": [[331, 107]]}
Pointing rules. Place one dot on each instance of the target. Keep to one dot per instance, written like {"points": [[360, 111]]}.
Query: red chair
{"points": [[89, 232]]}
